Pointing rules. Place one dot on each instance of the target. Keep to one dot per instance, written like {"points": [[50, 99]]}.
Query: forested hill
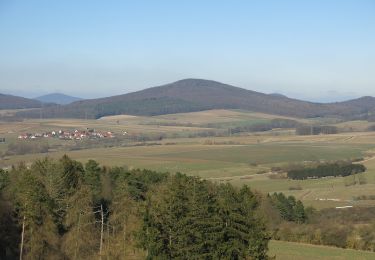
{"points": [[57, 98], [190, 95], [14, 102]]}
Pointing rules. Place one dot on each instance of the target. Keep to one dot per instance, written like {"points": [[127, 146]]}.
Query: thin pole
{"points": [[108, 244], [22, 236], [101, 232]]}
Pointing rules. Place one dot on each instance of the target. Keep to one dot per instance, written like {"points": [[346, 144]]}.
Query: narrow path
{"points": [[254, 175], [366, 160], [349, 138], [305, 194]]}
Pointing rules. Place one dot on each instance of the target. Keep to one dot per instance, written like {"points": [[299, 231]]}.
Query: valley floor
{"points": [[245, 158]]}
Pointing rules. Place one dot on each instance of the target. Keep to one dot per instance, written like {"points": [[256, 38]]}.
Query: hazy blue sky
{"points": [[306, 49]]}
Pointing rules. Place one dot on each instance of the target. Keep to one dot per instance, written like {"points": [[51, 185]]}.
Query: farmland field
{"points": [[246, 158], [187, 130], [297, 251], [240, 159]]}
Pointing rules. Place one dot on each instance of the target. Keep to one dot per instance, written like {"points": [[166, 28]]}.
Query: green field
{"points": [[273, 153], [239, 159], [246, 158], [240, 164], [297, 251]]}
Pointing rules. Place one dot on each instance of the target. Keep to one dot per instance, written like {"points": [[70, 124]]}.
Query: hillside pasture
{"points": [[241, 164], [298, 251], [246, 158]]}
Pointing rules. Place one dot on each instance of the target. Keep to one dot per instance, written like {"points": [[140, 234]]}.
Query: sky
{"points": [[313, 50]]}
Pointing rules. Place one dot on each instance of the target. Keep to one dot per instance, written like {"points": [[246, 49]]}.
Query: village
{"points": [[69, 135]]}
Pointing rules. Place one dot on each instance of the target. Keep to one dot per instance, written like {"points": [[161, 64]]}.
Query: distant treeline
{"points": [[27, 147], [94, 110], [301, 129], [257, 127], [160, 123], [267, 126], [316, 130], [326, 170]]}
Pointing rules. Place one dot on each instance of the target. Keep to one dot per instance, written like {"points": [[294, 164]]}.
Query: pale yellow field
{"points": [[208, 116]]}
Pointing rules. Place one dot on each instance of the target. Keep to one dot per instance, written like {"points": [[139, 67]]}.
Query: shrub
{"points": [[297, 187]]}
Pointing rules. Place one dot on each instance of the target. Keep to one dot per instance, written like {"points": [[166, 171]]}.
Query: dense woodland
{"points": [[290, 209], [326, 170], [267, 126], [65, 210], [346, 228], [15, 102], [62, 209]]}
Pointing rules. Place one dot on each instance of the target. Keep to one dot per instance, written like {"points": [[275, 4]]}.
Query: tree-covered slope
{"points": [[14, 102], [57, 98], [196, 94]]}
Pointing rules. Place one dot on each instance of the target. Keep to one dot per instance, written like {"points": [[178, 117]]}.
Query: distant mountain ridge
{"points": [[191, 95], [15, 102], [57, 98]]}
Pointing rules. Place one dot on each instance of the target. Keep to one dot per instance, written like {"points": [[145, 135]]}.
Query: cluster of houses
{"points": [[69, 135]]}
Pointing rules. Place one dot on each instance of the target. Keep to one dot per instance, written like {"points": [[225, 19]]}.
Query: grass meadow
{"points": [[298, 251], [240, 159]]}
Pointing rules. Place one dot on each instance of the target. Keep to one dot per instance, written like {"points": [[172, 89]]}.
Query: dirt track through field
{"points": [[304, 195], [366, 160], [248, 176]]}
